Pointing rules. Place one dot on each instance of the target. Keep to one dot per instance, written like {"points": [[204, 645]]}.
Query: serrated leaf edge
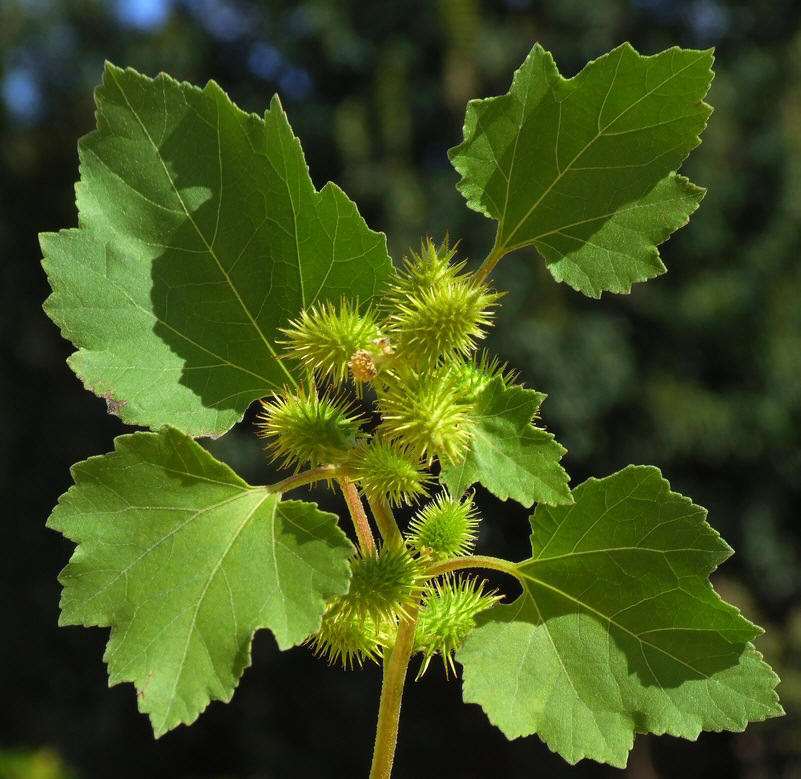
{"points": [[120, 443]]}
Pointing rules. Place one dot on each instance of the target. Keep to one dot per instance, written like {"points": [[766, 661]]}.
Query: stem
{"points": [[397, 664], [385, 519], [306, 477], [473, 561], [490, 262], [395, 667], [358, 515]]}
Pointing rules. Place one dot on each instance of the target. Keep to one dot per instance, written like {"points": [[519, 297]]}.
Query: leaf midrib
{"points": [[224, 362], [605, 617], [201, 235], [200, 599], [504, 247], [174, 532], [642, 641]]}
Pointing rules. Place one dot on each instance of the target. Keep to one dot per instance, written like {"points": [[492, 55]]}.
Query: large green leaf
{"points": [[618, 629], [583, 169], [184, 561], [200, 234], [507, 454]]}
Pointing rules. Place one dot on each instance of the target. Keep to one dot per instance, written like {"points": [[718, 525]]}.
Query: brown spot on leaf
{"points": [[114, 406]]}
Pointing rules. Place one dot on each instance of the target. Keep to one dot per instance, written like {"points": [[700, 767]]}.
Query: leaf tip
{"points": [[110, 67], [275, 103]]}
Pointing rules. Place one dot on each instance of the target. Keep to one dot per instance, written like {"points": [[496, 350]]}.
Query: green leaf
{"points": [[508, 455], [618, 629], [184, 561], [200, 235], [583, 169]]}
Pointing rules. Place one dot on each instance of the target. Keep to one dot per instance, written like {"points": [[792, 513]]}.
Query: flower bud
{"points": [[347, 638], [432, 266], [474, 374], [436, 312], [362, 366], [383, 585]]}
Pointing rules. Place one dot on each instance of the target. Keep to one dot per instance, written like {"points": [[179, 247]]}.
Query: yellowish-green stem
{"points": [[473, 561], [490, 262], [396, 664], [385, 519], [323, 473]]}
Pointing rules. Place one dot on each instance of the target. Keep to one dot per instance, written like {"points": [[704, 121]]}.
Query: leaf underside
{"points": [[200, 235], [618, 630], [185, 561], [508, 455], [584, 169]]}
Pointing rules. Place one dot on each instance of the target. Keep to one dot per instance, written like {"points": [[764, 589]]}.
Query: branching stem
{"points": [[396, 664], [358, 515]]}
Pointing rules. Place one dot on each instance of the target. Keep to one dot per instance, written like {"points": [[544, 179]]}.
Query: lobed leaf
{"points": [[507, 454], [618, 630], [583, 169], [200, 235], [184, 562]]}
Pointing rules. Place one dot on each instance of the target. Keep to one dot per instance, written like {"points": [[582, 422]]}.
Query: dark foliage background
{"points": [[698, 372]]}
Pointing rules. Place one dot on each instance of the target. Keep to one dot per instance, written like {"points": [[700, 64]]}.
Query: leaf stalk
{"points": [[473, 561], [490, 262], [323, 473]]}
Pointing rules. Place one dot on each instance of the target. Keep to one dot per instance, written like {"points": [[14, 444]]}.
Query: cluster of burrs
{"points": [[413, 356]]}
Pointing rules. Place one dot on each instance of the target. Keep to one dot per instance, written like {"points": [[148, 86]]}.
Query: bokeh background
{"points": [[698, 372]]}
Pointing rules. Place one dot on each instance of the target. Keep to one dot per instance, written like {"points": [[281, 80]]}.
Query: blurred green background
{"points": [[698, 372]]}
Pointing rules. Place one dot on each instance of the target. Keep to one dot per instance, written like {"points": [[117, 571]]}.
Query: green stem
{"points": [[397, 663], [395, 668], [358, 515], [385, 519], [473, 561], [490, 262], [324, 472]]}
